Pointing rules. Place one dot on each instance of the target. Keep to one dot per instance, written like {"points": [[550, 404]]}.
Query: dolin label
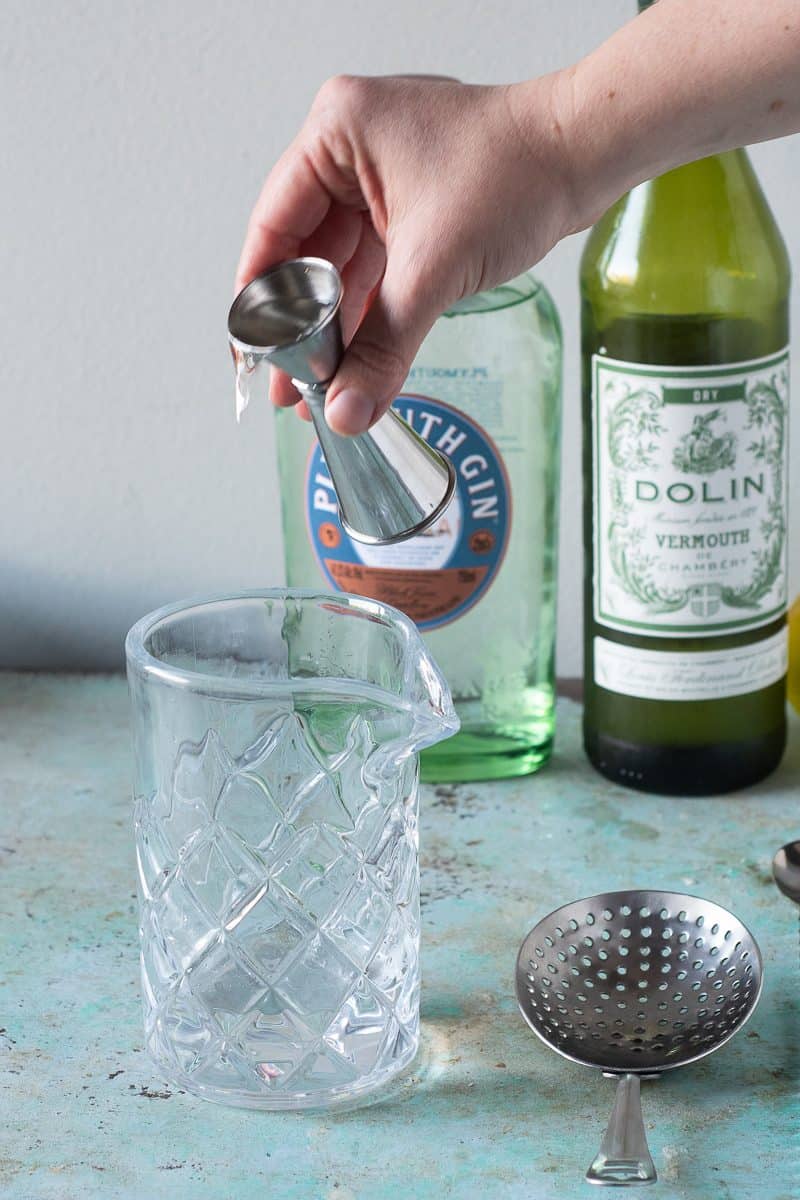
{"points": [[690, 496], [440, 574]]}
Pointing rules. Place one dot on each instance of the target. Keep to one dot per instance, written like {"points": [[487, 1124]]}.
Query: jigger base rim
{"points": [[369, 539]]}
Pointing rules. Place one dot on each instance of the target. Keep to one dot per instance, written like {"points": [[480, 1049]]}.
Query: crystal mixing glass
{"points": [[276, 835]]}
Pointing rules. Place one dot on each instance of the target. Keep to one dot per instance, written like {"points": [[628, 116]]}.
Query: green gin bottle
{"points": [[485, 389], [685, 288]]}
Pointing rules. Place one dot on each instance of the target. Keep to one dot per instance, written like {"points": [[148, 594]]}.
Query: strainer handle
{"points": [[624, 1157]]}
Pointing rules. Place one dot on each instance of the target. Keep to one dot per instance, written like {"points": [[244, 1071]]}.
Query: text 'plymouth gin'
{"points": [[485, 389], [685, 286]]}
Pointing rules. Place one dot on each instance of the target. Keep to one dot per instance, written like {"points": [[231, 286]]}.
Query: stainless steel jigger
{"points": [[636, 983], [389, 482]]}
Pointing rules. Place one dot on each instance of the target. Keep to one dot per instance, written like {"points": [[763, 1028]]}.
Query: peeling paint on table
{"points": [[487, 1110]]}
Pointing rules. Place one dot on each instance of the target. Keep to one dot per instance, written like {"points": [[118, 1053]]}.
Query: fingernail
{"points": [[349, 412]]}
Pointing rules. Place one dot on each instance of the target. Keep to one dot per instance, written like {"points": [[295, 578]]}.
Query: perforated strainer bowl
{"points": [[635, 983]]}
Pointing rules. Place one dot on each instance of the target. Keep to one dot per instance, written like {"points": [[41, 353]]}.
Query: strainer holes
{"points": [[710, 974], [559, 931], [546, 983], [696, 985], [619, 1021], [548, 941], [667, 932], [644, 951], [602, 975], [703, 1012], [580, 996], [619, 987], [683, 956], [681, 975], [564, 1012], [744, 955], [590, 918], [605, 935], [699, 942], [588, 941], [720, 1000], [596, 1036], [677, 995], [616, 1035], [625, 911], [697, 964], [730, 971], [700, 922], [621, 1004], [666, 951], [714, 951], [646, 931], [598, 1008], [674, 1050], [737, 946], [683, 938], [602, 955], [678, 1024], [637, 1049], [642, 984], [622, 970], [587, 962], [657, 1046], [639, 1029], [561, 956], [702, 997], [588, 983], [626, 933], [601, 1024], [715, 928], [573, 924], [560, 996], [552, 969], [575, 971], [624, 951], [540, 952], [662, 987], [718, 983], [682, 915], [608, 914], [644, 966], [644, 912], [728, 935], [666, 968], [572, 949], [664, 914]]}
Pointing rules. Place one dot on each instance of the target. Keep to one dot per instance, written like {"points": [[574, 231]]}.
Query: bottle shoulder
{"points": [[699, 238]]}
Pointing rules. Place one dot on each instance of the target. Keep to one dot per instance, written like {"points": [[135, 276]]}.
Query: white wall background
{"points": [[134, 139]]}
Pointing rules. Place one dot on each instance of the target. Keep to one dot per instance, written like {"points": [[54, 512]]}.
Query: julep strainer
{"points": [[635, 983]]}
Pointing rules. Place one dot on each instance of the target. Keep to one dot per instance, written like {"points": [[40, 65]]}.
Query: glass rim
{"points": [[140, 659]]}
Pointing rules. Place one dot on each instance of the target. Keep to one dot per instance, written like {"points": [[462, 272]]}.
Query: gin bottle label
{"points": [[690, 468], [440, 574]]}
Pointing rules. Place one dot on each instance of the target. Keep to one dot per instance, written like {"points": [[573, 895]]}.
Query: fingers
{"points": [[292, 205], [379, 357], [361, 276]]}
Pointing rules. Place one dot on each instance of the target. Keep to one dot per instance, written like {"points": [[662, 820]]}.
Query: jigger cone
{"points": [[389, 482]]}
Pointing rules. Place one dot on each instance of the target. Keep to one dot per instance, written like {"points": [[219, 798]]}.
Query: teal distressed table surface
{"points": [[488, 1111]]}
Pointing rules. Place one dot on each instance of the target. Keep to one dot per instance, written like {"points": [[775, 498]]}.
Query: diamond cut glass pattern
{"points": [[279, 887]]}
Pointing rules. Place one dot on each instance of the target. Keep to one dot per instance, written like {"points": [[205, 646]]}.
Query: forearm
{"points": [[686, 79]]}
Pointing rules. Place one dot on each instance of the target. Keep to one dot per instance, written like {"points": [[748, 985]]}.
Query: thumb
{"points": [[379, 357]]}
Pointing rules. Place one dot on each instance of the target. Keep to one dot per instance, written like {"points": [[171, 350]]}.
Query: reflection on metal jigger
{"points": [[389, 482]]}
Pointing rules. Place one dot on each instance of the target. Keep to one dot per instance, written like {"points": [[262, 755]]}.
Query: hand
{"points": [[422, 191]]}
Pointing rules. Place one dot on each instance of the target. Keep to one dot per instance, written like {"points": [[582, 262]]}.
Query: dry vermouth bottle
{"points": [[685, 306], [485, 388]]}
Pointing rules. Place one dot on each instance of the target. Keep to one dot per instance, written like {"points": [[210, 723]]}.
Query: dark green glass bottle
{"points": [[685, 287]]}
